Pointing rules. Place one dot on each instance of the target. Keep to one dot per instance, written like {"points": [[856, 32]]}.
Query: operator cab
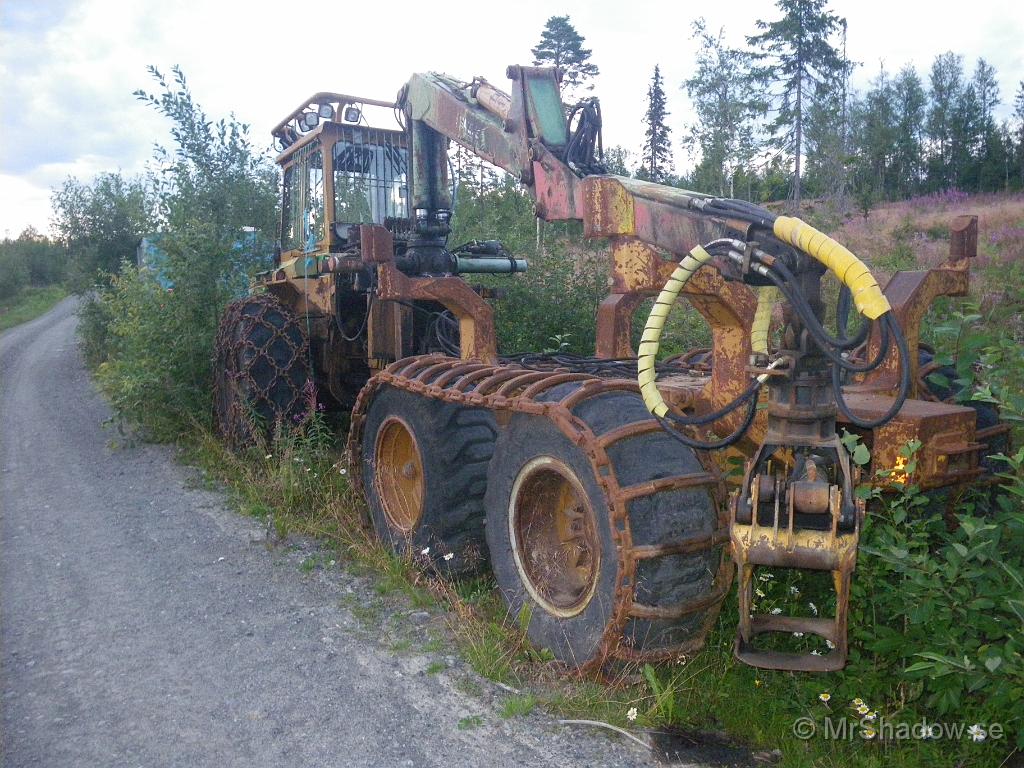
{"points": [[340, 170]]}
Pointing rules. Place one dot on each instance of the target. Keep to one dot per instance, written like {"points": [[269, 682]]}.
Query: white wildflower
{"points": [[449, 556], [425, 551], [631, 715], [776, 611], [813, 607], [825, 697], [977, 733]]}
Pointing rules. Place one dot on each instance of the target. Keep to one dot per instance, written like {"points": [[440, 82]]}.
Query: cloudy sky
{"points": [[68, 67]]}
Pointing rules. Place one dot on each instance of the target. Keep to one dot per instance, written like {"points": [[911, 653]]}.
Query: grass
{"points": [[519, 706], [470, 722], [29, 304]]}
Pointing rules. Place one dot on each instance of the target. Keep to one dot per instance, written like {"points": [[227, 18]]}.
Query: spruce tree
{"points": [[802, 66], [562, 46], [657, 154]]}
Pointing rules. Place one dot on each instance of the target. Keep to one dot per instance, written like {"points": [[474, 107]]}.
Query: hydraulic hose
{"points": [[651, 338], [851, 271], [904, 390], [648, 351], [766, 297]]}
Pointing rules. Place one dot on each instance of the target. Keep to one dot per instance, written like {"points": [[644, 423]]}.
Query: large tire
{"points": [[424, 465], [568, 616], [262, 375]]}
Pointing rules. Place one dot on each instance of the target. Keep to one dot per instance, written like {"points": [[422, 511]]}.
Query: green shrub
{"points": [[14, 274], [940, 611], [152, 347]]}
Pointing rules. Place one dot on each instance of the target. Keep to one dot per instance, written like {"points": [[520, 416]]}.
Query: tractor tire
{"points": [[424, 473], [262, 374], [549, 531]]}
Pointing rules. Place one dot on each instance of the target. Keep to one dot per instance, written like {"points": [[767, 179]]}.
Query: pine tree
{"points": [[657, 154], [562, 46], [800, 61], [725, 105], [617, 160]]}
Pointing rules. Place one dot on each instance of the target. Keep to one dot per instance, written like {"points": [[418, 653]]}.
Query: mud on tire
{"points": [[424, 473], [261, 370]]}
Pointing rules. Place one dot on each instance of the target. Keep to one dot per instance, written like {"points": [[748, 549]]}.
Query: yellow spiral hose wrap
{"points": [[767, 296], [851, 271], [651, 339]]}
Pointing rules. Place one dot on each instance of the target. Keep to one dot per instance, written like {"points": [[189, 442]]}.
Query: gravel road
{"points": [[142, 623]]}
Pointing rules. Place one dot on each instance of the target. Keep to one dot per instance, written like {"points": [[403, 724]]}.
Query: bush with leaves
{"points": [[100, 223], [14, 272], [940, 610], [153, 346]]}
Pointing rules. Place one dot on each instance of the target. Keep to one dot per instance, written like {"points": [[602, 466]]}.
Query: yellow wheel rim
{"points": [[399, 474], [554, 536]]}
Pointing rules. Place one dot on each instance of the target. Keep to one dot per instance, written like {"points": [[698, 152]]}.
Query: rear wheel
{"points": [[424, 474], [261, 370], [555, 547]]}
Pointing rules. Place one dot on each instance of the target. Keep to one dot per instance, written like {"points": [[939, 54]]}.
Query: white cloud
{"points": [[67, 71]]}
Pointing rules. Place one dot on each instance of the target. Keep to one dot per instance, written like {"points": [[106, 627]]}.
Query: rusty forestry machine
{"points": [[595, 487]]}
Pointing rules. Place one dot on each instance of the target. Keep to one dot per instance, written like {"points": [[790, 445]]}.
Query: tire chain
{"points": [[230, 341], [508, 389]]}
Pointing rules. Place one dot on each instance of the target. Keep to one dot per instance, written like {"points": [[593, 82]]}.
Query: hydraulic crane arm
{"points": [[799, 478]]}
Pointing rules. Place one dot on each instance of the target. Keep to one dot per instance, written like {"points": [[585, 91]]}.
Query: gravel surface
{"points": [[143, 623]]}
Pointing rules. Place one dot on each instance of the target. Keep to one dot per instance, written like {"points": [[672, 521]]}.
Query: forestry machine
{"points": [[597, 488]]}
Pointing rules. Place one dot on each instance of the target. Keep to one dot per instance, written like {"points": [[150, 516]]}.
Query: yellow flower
{"points": [[863, 709], [868, 733], [825, 697], [758, 683], [857, 702]]}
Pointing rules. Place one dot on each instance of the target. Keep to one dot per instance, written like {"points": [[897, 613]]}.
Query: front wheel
{"points": [[261, 371]]}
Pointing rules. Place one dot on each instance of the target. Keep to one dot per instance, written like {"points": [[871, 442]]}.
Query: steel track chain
{"points": [[274, 361], [508, 389]]}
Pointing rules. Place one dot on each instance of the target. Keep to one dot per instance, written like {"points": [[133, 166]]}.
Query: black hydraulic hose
{"points": [[840, 343], [726, 208], [904, 390], [725, 442], [803, 309], [707, 418]]}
